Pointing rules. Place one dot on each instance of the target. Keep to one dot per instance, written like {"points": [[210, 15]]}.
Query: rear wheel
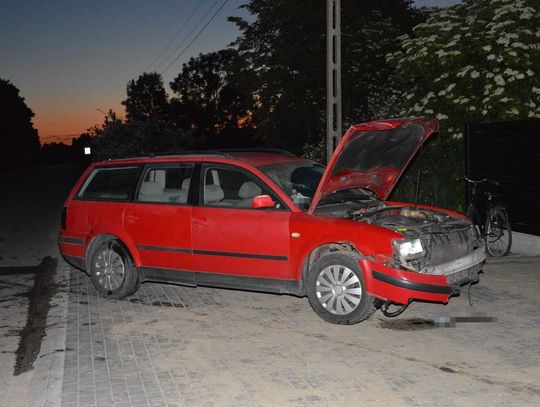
{"points": [[112, 271], [498, 233], [336, 290]]}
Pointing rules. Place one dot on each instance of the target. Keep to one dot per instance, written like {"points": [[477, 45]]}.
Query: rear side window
{"points": [[113, 184], [166, 184]]}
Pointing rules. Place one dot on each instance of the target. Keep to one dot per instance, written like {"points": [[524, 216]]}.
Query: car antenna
{"points": [[417, 189]]}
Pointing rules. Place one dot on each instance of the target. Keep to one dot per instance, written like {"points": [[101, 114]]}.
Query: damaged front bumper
{"points": [[434, 284], [478, 256]]}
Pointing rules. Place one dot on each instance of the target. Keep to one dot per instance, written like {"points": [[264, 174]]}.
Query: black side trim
{"points": [[73, 240], [222, 280], [411, 285], [212, 253], [244, 255], [163, 249], [74, 261]]}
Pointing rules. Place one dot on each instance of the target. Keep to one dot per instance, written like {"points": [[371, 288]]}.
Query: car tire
{"points": [[112, 270], [336, 290]]}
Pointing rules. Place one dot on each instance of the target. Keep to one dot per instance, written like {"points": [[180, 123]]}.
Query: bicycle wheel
{"points": [[498, 233]]}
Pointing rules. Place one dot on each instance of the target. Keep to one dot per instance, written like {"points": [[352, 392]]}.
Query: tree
{"points": [[147, 128], [473, 62], [210, 100], [285, 48], [20, 141], [117, 138], [147, 98]]}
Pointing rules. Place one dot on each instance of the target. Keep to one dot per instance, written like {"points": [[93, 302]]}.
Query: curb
{"points": [[48, 373], [524, 244]]}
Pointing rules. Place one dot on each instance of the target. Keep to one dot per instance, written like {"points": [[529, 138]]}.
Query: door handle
{"points": [[200, 222]]}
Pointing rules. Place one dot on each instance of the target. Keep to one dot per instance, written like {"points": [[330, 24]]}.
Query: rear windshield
{"points": [[114, 184]]}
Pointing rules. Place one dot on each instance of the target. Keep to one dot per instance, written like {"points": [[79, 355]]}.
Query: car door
{"points": [[229, 235], [159, 218]]}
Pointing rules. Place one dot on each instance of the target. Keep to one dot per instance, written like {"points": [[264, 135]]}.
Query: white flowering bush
{"points": [[477, 61]]}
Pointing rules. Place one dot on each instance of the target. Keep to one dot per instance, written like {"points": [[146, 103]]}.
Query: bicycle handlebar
{"points": [[472, 181]]}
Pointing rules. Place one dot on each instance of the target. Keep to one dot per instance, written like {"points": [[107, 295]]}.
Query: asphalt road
{"points": [[62, 344], [30, 205]]}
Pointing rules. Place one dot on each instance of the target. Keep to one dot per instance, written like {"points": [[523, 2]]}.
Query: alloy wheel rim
{"points": [[338, 289], [109, 269]]}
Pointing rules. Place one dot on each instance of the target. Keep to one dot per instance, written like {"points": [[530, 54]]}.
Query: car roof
{"points": [[256, 158], [261, 159]]}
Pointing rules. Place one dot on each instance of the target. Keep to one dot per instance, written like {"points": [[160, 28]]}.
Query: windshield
{"points": [[299, 179]]}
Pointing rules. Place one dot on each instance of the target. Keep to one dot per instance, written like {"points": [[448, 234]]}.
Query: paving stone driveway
{"points": [[179, 346]]}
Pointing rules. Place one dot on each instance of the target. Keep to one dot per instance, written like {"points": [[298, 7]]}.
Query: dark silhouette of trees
{"points": [[147, 99], [116, 138], [55, 153], [285, 47], [147, 128], [211, 101], [19, 139], [61, 153]]}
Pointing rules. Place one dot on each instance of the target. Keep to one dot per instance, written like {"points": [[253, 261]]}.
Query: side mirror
{"points": [[262, 201]]}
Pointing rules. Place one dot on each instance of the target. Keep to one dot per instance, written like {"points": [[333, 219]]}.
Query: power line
{"points": [[184, 25], [189, 35], [197, 36]]}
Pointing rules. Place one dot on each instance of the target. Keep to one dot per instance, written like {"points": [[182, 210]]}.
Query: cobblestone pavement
{"points": [[178, 346]]}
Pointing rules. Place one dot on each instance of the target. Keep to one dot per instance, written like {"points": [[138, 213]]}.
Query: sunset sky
{"points": [[70, 58]]}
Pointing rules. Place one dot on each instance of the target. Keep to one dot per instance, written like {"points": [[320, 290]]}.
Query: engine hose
{"points": [[389, 314]]}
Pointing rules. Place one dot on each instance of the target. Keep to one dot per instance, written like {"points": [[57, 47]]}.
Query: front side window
{"points": [[298, 179], [231, 188], [112, 183], [166, 184]]}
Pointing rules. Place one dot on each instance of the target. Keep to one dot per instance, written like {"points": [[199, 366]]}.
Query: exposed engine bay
{"points": [[433, 239]]}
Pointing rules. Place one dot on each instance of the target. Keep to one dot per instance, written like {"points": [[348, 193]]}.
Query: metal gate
{"points": [[508, 152]]}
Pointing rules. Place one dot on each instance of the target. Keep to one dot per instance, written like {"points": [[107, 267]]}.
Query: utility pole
{"points": [[333, 76]]}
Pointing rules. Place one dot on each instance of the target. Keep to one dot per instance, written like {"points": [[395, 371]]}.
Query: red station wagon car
{"points": [[270, 221]]}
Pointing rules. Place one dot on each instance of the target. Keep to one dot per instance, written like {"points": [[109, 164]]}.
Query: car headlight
{"points": [[409, 249]]}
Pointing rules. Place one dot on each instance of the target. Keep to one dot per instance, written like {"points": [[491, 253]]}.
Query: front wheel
{"points": [[336, 290], [498, 233]]}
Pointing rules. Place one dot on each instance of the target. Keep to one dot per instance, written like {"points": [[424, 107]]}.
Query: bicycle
{"points": [[496, 228]]}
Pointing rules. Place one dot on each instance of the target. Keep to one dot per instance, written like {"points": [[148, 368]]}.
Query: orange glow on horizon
{"points": [[62, 126]]}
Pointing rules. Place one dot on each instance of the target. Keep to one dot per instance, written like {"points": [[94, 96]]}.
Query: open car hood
{"points": [[373, 156]]}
